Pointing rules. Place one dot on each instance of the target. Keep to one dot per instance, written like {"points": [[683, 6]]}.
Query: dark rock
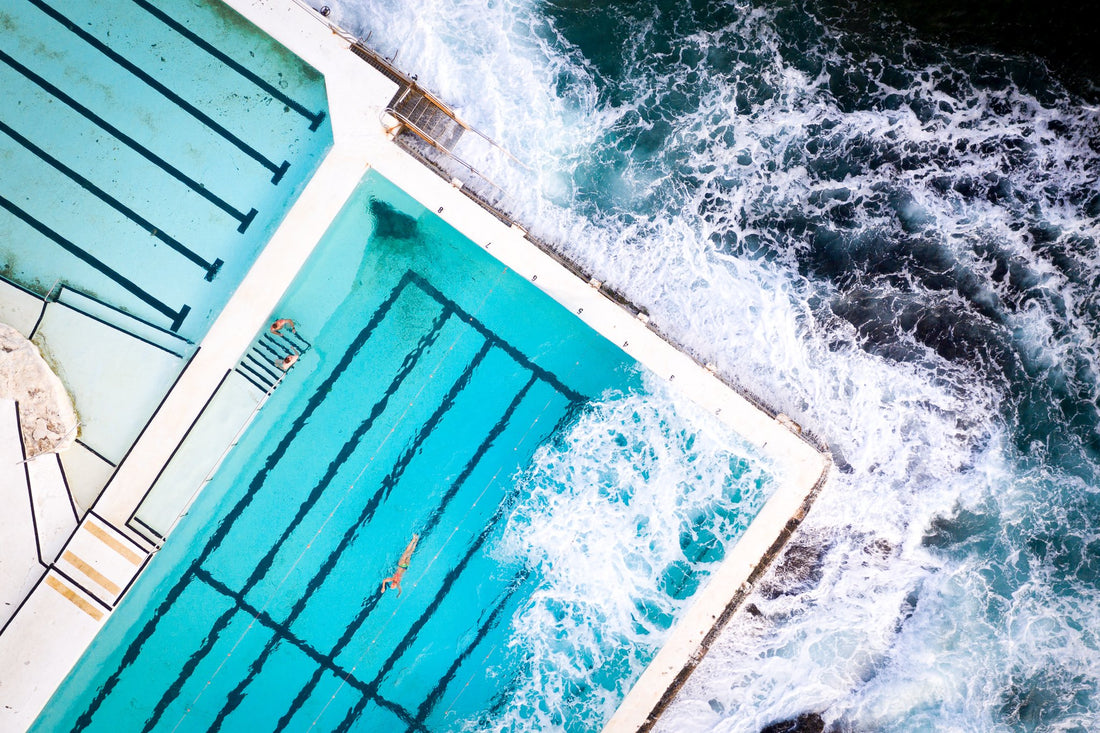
{"points": [[805, 723], [799, 569]]}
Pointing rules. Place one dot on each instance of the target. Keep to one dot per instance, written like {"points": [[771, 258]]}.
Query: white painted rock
{"points": [[46, 413]]}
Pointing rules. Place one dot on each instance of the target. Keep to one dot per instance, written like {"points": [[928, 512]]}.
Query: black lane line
{"points": [[237, 695], [445, 681], [134, 649], [161, 307], [411, 636], [387, 485], [315, 118], [278, 170], [211, 268], [223, 528], [264, 566], [484, 330], [200, 189], [349, 447], [324, 662], [434, 519], [189, 666]]}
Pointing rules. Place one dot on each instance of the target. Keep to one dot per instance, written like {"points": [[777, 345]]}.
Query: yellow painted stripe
{"points": [[113, 543], [76, 600], [97, 577]]}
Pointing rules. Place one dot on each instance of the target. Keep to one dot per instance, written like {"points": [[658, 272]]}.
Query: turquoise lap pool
{"points": [[435, 376]]}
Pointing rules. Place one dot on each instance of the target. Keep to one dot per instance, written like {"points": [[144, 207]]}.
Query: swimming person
{"points": [[394, 580], [288, 361], [278, 325]]}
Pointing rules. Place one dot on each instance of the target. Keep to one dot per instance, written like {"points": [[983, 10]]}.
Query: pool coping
{"points": [[357, 97]]}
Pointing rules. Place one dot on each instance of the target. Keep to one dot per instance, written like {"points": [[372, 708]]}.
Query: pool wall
{"points": [[50, 632]]}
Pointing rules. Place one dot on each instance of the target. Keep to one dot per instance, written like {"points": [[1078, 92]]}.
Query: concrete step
{"points": [[102, 560]]}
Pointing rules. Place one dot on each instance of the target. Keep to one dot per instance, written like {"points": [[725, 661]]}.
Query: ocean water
{"points": [[892, 240]]}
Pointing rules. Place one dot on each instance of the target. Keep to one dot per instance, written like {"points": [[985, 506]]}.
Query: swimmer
{"points": [[277, 326], [288, 361], [394, 581]]}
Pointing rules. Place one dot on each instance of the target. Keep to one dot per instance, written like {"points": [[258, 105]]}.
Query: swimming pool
{"points": [[443, 396], [150, 148]]}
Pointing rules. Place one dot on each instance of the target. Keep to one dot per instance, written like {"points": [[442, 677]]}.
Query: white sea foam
{"points": [[876, 628], [619, 519]]}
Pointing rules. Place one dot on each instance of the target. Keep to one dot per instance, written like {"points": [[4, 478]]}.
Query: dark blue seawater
{"points": [[890, 234]]}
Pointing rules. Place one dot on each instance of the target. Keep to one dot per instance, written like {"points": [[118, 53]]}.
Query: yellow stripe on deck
{"points": [[97, 577], [113, 543], [75, 599]]}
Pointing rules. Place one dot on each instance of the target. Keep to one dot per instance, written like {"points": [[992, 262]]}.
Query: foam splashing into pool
{"points": [[621, 519]]}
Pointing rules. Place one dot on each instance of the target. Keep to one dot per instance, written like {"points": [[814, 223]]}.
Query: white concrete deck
{"points": [[36, 655], [59, 621], [54, 513], [20, 568]]}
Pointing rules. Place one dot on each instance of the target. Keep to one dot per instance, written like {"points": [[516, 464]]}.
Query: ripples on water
{"points": [[893, 241]]}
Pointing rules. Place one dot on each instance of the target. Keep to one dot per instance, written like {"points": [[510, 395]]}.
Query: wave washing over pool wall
{"points": [[890, 240], [623, 518]]}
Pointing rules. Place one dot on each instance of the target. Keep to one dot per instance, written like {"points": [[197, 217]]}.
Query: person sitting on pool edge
{"points": [[394, 581], [279, 324]]}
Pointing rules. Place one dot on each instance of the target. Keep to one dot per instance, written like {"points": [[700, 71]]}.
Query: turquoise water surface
{"points": [[436, 379], [149, 149]]}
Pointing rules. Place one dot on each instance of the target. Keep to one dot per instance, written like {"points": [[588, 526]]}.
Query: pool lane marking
{"points": [[499, 512], [211, 268], [426, 615], [436, 694], [216, 539], [537, 372], [74, 598], [488, 333], [379, 407], [200, 189], [408, 364], [315, 118], [81, 254], [208, 642], [408, 277], [278, 170], [324, 662], [385, 489], [264, 566], [237, 695], [134, 649], [425, 532], [569, 414]]}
